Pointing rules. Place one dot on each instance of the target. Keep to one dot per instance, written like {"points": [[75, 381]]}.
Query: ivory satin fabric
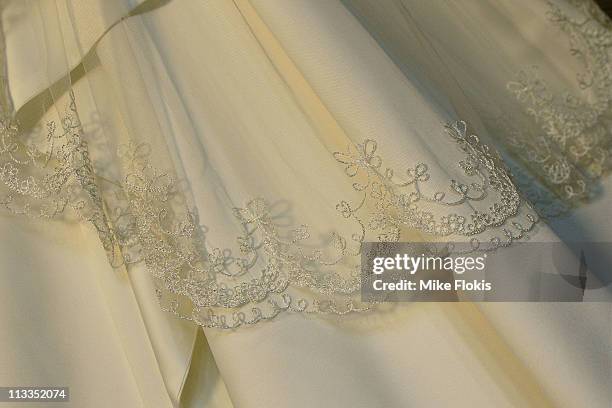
{"points": [[252, 97]]}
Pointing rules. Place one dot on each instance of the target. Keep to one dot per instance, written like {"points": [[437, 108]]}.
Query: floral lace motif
{"points": [[173, 255], [397, 208], [45, 175], [144, 217], [575, 146]]}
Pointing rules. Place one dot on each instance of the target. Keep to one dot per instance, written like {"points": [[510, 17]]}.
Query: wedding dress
{"points": [[227, 160]]}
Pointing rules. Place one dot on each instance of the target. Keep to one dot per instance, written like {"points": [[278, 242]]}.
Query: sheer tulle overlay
{"points": [[232, 157]]}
